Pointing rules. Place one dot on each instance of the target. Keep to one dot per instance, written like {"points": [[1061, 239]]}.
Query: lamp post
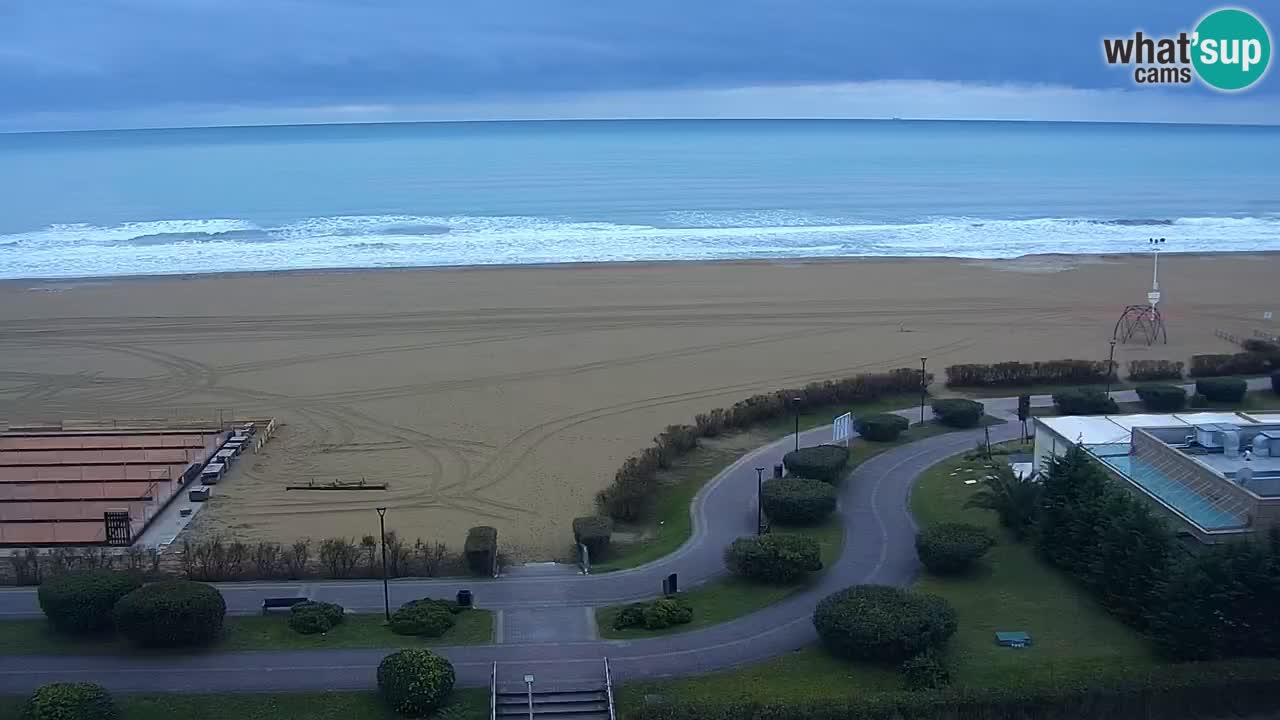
{"points": [[1111, 365], [382, 533], [924, 387], [795, 401], [759, 498], [528, 681]]}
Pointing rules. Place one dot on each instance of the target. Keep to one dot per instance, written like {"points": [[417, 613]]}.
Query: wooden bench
{"points": [[280, 602]]}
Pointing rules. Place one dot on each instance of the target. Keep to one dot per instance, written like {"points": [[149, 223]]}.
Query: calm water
{"points": [[209, 200]]}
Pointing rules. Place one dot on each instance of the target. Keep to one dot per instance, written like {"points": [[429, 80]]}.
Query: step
{"points": [[566, 709], [603, 715], [552, 697]]}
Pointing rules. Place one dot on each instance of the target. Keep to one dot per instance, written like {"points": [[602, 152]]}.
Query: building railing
{"points": [[608, 689], [493, 692]]}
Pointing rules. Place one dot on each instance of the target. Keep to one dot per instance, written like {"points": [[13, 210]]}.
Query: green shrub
{"points": [[797, 501], [774, 558], [925, 671], [1010, 374], [630, 616], [1244, 363], [81, 602], [1148, 370], [595, 532], [820, 462], [71, 701], [311, 617], [1084, 401], [481, 549], [170, 614], [427, 617], [1222, 389], [952, 548], [1162, 398], [883, 623], [882, 427], [655, 614], [414, 683], [958, 412]]}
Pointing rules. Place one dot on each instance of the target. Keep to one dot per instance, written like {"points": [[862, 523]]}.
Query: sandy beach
{"points": [[508, 396]]}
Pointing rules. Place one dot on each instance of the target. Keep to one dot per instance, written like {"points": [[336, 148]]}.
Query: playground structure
{"points": [[1143, 322]]}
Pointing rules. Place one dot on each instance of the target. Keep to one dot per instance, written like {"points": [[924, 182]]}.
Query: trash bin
{"points": [[777, 470], [669, 585], [464, 598]]}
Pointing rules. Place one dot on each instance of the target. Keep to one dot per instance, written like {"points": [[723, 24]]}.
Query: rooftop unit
{"points": [[1267, 443], [1217, 436]]}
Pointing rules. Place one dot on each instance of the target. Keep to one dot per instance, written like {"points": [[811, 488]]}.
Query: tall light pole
{"points": [[759, 499], [924, 386], [1111, 365], [795, 401], [382, 533]]}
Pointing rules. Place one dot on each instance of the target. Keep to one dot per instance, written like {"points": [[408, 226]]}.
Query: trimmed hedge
{"points": [[81, 602], [170, 614], [1084, 401], [952, 548], [883, 623], [1242, 363], [1162, 398], [71, 701], [313, 617], [797, 501], [820, 462], [1008, 374], [774, 558], [655, 614], [481, 549], [958, 412], [1222, 389], [426, 617], [595, 532], [1148, 370], [415, 683], [882, 427]]}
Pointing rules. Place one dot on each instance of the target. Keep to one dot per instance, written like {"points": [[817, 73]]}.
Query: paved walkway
{"points": [[879, 536]]}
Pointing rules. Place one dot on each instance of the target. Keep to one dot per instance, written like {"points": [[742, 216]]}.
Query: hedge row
{"points": [[1242, 363], [1225, 389], [634, 485], [655, 614], [82, 602], [958, 412], [1009, 374], [1162, 398], [797, 501], [1148, 370], [774, 558], [881, 427], [219, 560], [820, 462], [1084, 401]]}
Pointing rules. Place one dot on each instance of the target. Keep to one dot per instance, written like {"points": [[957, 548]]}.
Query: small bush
{"points": [[71, 701], [1162, 398], [1148, 370], [1084, 401], [310, 617], [1222, 389], [797, 501], [655, 614], [428, 618], [595, 532], [774, 558], [925, 671], [952, 548], [481, 549], [883, 623], [883, 427], [958, 412], [81, 602], [170, 614], [414, 683], [821, 462]]}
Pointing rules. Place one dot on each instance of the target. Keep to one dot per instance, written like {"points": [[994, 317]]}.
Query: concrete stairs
{"points": [[584, 701]]}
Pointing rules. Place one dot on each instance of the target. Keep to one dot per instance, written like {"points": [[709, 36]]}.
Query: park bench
{"points": [[281, 602]]}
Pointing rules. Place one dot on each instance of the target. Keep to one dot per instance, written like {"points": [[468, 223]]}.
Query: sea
{"points": [[205, 200]]}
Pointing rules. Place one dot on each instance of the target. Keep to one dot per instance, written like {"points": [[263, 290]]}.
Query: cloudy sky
{"points": [[146, 63]]}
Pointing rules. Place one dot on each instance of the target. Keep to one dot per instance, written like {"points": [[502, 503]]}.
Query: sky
{"points": [[74, 64]]}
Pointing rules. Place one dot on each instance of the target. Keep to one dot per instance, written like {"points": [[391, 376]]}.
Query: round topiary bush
{"points": [[1225, 389], [310, 618], [81, 602], [774, 558], [332, 612], [1162, 398], [882, 623], [414, 683], [429, 618], [952, 548], [71, 701], [958, 412], [884, 427], [172, 613], [820, 462], [797, 501]]}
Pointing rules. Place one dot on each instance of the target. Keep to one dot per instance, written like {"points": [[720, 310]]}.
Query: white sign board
{"points": [[1266, 315], [842, 428]]}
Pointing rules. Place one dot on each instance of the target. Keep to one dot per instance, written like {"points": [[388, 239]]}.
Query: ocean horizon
{"points": [[261, 198]]}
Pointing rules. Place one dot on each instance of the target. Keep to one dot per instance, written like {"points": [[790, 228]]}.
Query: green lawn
{"points": [[253, 632], [731, 597], [468, 704]]}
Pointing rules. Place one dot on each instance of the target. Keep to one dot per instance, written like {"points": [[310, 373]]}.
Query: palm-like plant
{"points": [[1014, 499]]}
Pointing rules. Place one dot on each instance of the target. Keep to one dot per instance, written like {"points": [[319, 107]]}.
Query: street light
{"points": [[386, 590], [796, 402], [759, 495], [1111, 364], [528, 681], [924, 386]]}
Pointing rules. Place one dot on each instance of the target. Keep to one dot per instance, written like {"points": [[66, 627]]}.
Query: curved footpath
{"points": [[879, 539]]}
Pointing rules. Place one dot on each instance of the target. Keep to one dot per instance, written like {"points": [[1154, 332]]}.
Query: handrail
{"points": [[493, 692], [608, 689]]}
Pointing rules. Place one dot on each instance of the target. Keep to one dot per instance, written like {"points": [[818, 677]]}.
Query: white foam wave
{"points": [[219, 245]]}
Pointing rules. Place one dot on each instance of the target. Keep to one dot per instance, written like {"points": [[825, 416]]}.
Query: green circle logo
{"points": [[1232, 49]]}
